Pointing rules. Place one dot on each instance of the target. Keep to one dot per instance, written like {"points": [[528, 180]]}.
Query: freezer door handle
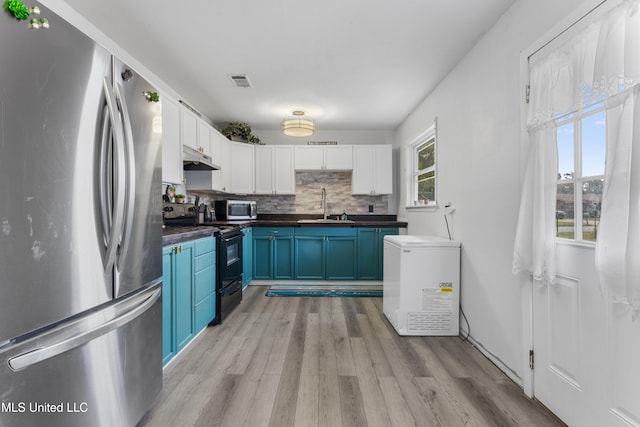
{"points": [[130, 177], [119, 188], [69, 336]]}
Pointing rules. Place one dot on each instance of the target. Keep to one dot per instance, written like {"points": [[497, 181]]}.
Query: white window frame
{"points": [[578, 178], [412, 201]]}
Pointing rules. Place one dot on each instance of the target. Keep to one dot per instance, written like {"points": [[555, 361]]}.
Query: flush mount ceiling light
{"points": [[298, 125]]}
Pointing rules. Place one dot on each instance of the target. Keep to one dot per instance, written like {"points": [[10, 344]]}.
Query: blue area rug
{"points": [[323, 291]]}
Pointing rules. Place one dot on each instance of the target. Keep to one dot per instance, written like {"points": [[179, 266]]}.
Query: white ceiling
{"points": [[350, 64]]}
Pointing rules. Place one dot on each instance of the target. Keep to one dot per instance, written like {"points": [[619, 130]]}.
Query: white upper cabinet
{"points": [[222, 178], [285, 175], [323, 157], [216, 141], [171, 145], [242, 167], [338, 157], [274, 170], [189, 128], [372, 170], [195, 132], [264, 169], [204, 137]]}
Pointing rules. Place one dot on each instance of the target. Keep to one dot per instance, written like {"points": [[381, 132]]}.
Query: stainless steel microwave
{"points": [[230, 210]]}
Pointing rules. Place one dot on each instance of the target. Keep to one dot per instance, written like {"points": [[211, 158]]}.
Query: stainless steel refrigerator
{"points": [[80, 231]]}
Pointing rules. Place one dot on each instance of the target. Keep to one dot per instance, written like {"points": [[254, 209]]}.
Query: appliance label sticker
{"points": [[437, 299]]}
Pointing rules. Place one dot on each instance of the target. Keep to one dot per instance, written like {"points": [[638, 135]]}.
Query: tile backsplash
{"points": [[308, 195]]}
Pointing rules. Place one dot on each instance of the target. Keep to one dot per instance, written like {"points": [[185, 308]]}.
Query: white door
{"points": [[586, 346], [569, 339]]}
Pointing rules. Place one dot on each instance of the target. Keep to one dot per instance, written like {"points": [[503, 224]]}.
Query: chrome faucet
{"points": [[324, 203]]}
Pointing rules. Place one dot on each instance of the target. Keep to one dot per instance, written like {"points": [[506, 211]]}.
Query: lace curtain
{"points": [[599, 64]]}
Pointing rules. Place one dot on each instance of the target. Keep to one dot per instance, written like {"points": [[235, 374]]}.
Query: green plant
{"points": [[241, 130], [179, 196], [151, 96], [19, 10]]}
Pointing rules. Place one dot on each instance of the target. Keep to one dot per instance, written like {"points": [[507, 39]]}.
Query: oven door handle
{"points": [[230, 239]]}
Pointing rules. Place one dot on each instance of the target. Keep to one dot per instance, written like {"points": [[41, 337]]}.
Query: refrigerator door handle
{"points": [[130, 177], [104, 178], [119, 186], [69, 336]]}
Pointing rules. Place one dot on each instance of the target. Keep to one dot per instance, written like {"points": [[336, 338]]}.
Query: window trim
{"points": [[411, 201]]}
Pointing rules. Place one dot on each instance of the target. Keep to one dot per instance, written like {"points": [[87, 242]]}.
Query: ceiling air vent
{"points": [[240, 80]]}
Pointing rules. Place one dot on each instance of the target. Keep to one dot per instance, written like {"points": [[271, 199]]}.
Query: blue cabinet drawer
{"points": [[204, 261], [273, 231], [205, 311], [205, 283], [202, 246], [327, 231]]}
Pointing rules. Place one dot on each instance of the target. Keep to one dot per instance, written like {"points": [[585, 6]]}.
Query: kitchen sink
{"points": [[322, 221]]}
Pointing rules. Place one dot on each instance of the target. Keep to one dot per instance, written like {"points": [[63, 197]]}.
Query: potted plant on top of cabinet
{"points": [[241, 132]]}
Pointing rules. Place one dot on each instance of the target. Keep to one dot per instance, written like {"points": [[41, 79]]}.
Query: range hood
{"points": [[193, 160]]}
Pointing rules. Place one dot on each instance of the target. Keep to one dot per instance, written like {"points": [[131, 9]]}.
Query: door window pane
{"points": [[594, 138], [565, 151], [591, 204], [565, 223]]}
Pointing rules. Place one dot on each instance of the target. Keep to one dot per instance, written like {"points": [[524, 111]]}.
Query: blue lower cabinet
{"points": [[247, 256], [262, 257], [318, 253], [205, 311], [273, 253], [371, 251], [204, 298], [185, 329], [168, 287], [325, 253], [283, 257], [188, 292], [177, 298], [309, 257], [341, 257]]}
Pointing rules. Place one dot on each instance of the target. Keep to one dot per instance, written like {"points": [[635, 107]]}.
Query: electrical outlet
{"points": [[449, 208]]}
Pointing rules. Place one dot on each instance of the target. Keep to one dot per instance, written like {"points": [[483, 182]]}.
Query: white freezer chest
{"points": [[421, 287]]}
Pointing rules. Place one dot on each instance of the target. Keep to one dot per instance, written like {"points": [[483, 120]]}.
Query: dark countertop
{"points": [[173, 235], [292, 220]]}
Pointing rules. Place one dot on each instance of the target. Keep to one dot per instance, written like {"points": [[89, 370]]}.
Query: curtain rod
{"points": [[566, 29]]}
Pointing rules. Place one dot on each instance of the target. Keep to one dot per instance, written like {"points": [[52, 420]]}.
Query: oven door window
{"points": [[233, 253]]}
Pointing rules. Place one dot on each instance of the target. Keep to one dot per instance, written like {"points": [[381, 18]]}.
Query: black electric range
{"points": [[229, 273]]}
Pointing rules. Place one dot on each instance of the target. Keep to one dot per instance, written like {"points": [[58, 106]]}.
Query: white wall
{"points": [[479, 155]]}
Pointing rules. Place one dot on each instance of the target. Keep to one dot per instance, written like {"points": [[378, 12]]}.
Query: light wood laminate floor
{"points": [[330, 361]]}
